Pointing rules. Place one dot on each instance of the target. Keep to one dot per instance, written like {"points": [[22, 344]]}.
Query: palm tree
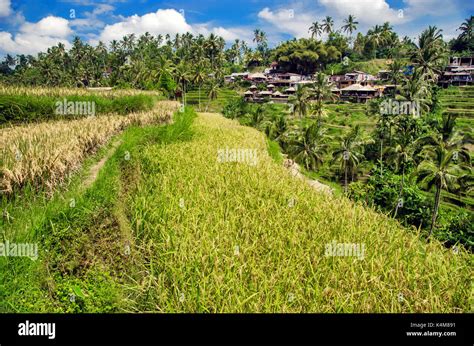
{"points": [[349, 154], [328, 24], [429, 54], [309, 146], [466, 29], [300, 101], [315, 29], [396, 73], [350, 25], [278, 129], [321, 91], [416, 89], [183, 76], [401, 155], [375, 36], [198, 78], [213, 91], [256, 117], [440, 170]]}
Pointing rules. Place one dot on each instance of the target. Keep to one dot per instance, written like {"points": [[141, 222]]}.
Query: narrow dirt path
{"points": [[95, 169], [294, 169]]}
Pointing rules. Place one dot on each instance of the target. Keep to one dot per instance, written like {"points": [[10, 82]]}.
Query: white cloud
{"points": [[167, 21], [5, 8], [430, 7], [160, 22], [292, 21], [48, 26], [367, 12], [35, 37]]}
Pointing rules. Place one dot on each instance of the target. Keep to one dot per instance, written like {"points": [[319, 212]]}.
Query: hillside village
{"points": [[274, 85]]}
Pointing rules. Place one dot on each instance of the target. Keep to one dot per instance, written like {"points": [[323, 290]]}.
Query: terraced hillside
{"points": [[460, 101], [223, 95], [184, 226]]}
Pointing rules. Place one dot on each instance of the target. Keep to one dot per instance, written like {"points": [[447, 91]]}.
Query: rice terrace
{"points": [[183, 171]]}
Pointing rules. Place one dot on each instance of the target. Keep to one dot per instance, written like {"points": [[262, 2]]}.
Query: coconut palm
{"points": [[321, 91], [182, 76], [429, 54], [309, 145], [328, 24], [416, 88], [396, 73], [401, 155], [315, 29], [199, 76], [213, 91], [349, 154], [299, 101], [350, 25], [442, 168], [376, 38], [466, 29]]}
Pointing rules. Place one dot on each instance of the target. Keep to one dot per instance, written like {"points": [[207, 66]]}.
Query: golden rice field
{"points": [[45, 91], [44, 154]]}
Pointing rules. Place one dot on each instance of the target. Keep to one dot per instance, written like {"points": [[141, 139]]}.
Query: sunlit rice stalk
{"points": [[44, 154]]}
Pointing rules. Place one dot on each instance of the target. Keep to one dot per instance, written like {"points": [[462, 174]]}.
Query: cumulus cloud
{"points": [[166, 21], [368, 12], [5, 8], [292, 21], [160, 22], [35, 37]]}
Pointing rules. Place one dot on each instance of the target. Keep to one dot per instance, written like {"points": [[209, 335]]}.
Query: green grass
{"points": [[81, 244], [207, 236], [29, 108], [223, 96]]}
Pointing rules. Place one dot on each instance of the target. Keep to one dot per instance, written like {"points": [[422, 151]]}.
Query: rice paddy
{"points": [[176, 228]]}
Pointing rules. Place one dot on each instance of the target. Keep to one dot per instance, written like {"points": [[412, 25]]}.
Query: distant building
{"points": [[460, 71], [359, 93]]}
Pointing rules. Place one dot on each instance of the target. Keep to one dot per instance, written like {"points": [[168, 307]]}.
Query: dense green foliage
{"points": [[16, 108]]}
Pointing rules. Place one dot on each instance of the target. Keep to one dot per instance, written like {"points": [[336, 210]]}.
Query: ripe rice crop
{"points": [[44, 154], [218, 236], [62, 92]]}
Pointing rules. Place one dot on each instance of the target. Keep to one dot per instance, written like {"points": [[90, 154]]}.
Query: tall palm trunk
{"points": [[435, 208], [345, 179], [381, 157], [400, 193], [199, 96], [184, 93]]}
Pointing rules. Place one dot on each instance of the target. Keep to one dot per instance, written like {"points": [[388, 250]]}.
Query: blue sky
{"points": [[29, 26]]}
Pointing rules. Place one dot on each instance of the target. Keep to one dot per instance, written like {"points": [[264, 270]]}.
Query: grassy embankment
{"points": [[172, 229]]}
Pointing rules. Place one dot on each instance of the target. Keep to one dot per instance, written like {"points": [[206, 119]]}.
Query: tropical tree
{"points": [[213, 91], [199, 76], [182, 76], [321, 91], [349, 153], [395, 73], [466, 29], [441, 168], [299, 101], [309, 145], [315, 29], [328, 24], [350, 25], [429, 55], [401, 155]]}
